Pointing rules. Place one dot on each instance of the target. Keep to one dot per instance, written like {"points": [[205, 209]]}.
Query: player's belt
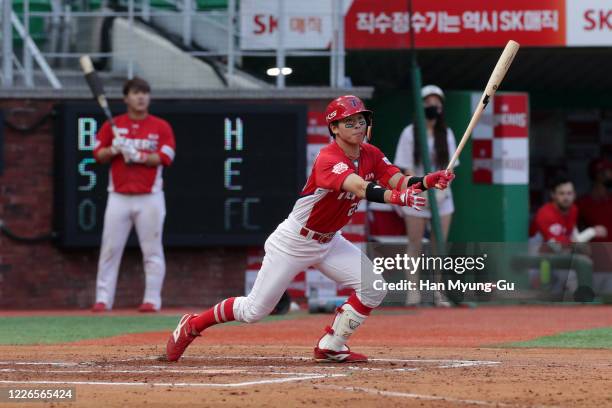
{"points": [[317, 236]]}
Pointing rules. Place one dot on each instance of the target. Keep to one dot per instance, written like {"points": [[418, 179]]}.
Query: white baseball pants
{"points": [[147, 213], [288, 253]]}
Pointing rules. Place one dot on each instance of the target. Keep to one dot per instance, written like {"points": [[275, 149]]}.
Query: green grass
{"points": [[63, 329], [592, 338]]}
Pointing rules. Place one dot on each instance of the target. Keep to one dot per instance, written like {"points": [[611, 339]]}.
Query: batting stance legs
{"points": [[146, 212], [288, 253]]}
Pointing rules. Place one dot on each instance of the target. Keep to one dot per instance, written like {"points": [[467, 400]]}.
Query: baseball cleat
{"points": [[344, 356], [99, 307], [180, 338], [147, 308]]}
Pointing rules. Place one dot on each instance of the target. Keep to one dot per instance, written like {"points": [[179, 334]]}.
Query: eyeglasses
{"points": [[350, 123]]}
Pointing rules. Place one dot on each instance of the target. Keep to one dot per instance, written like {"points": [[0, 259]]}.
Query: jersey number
{"points": [[352, 210]]}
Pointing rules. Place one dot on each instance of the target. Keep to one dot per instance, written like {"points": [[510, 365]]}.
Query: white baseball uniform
{"points": [[310, 237], [135, 199]]}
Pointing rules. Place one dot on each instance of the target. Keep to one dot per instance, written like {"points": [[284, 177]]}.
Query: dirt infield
{"points": [[429, 358]]}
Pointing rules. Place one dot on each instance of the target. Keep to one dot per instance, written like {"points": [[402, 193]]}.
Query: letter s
{"points": [[588, 16], [261, 26]]}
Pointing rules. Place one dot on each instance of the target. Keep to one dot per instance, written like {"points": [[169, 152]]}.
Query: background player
{"points": [[135, 197], [344, 173], [556, 221]]}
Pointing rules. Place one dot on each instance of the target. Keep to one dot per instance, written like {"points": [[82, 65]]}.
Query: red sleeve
{"points": [[550, 228], [167, 145], [331, 172], [104, 138], [384, 169]]}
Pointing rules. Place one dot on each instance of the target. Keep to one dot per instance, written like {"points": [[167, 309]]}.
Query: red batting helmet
{"points": [[343, 107]]}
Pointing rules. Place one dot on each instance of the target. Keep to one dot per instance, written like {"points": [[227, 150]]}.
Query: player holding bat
{"points": [[137, 145], [346, 171]]}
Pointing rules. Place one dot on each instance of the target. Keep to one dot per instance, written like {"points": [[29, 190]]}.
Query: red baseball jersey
{"points": [[150, 135], [554, 225], [323, 206]]}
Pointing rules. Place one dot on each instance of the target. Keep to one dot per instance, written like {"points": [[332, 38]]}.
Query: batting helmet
{"points": [[343, 107]]}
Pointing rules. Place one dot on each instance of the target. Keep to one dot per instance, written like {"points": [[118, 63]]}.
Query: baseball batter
{"points": [[345, 172], [144, 145]]}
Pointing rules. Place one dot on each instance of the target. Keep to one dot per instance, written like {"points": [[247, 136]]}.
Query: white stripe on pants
{"points": [[147, 213], [288, 253]]}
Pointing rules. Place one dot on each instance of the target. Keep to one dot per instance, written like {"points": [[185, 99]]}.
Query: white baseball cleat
{"points": [[180, 338]]}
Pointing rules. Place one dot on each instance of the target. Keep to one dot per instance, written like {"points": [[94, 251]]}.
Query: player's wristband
{"points": [[400, 182], [375, 193], [414, 179]]}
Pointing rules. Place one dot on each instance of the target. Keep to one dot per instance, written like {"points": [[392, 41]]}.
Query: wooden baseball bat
{"points": [[95, 85], [498, 74]]}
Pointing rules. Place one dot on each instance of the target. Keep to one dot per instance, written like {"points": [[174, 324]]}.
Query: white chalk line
{"points": [[391, 360], [156, 384], [295, 376], [420, 396], [219, 371], [442, 363], [51, 363], [173, 371], [384, 360]]}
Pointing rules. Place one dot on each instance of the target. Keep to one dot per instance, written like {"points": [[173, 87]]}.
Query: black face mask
{"points": [[432, 112]]}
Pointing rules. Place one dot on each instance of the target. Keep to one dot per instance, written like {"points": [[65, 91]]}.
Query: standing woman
{"points": [[441, 143]]}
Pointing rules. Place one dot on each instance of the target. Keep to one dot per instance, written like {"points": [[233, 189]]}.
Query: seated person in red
{"points": [[555, 222]]}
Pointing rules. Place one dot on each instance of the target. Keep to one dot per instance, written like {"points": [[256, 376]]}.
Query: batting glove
{"points": [[118, 143], [132, 155], [439, 179], [408, 197]]}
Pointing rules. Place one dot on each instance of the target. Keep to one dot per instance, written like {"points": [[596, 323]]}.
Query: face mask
{"points": [[432, 112]]}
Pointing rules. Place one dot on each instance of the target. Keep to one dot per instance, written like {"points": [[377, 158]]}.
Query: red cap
{"points": [[343, 107]]}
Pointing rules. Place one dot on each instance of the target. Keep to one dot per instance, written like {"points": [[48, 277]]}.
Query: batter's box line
{"points": [[155, 384], [172, 371], [51, 363], [443, 363]]}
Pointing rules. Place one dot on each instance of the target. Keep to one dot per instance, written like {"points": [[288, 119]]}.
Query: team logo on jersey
{"points": [[331, 115], [387, 161], [556, 229], [340, 168], [143, 144]]}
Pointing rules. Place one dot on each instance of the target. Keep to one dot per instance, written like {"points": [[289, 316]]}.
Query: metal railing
{"points": [[65, 30]]}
